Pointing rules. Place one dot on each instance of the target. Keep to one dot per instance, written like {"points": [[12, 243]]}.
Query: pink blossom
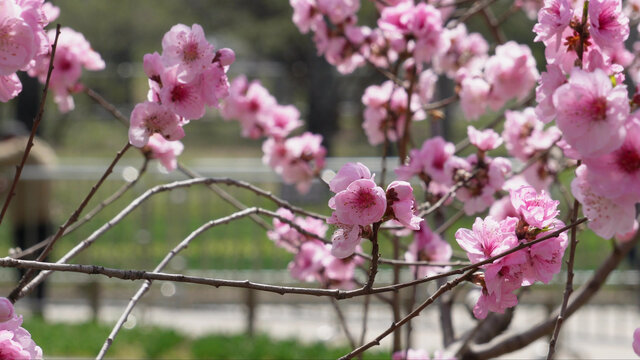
{"points": [[426, 85], [386, 108], [636, 341], [148, 118], [185, 99], [628, 236], [73, 53], [10, 87], [307, 263], [468, 51], [484, 140], [401, 201], [477, 194], [429, 160], [501, 279], [427, 246], [165, 151], [15, 341], [338, 10], [426, 26], [591, 112], [544, 259], [279, 121], [361, 203], [298, 159], [617, 174], [549, 81], [502, 208], [338, 272], [187, 48], [251, 104], [345, 240], [511, 72], [287, 237], [607, 216], [305, 14], [487, 238], [524, 133], [474, 96], [536, 209], [553, 18], [608, 25], [347, 174]]}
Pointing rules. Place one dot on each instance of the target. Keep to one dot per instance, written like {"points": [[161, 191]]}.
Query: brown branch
{"points": [[343, 323], [34, 128], [137, 202], [13, 296], [569, 285]]}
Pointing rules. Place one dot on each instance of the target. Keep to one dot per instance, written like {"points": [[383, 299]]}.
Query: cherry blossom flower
{"points": [[536, 209], [484, 140], [188, 49], [549, 81], [73, 53], [511, 72], [524, 133], [402, 203], [287, 237], [474, 96], [15, 341], [185, 99], [148, 118], [305, 14], [609, 26], [487, 238], [617, 174], [361, 203], [545, 258], [553, 18], [427, 246], [607, 216], [466, 51], [165, 151], [345, 240], [591, 112], [338, 10], [10, 87], [347, 174], [636, 341]]}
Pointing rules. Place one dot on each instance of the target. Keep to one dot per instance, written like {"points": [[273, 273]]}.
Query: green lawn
{"points": [[86, 339]]}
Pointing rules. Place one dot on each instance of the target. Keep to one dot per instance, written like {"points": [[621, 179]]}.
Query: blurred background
{"points": [[177, 320]]}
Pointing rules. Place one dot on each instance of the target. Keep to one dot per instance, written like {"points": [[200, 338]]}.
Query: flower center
{"points": [[179, 93], [599, 109], [628, 159], [364, 199], [190, 52]]}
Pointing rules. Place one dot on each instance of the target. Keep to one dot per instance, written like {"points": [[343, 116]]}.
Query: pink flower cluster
{"points": [[313, 259], [510, 73], [359, 202], [298, 159], [188, 76], [385, 112], [591, 108], [535, 218], [73, 53], [15, 341], [525, 137], [427, 246], [258, 112], [22, 39], [439, 169]]}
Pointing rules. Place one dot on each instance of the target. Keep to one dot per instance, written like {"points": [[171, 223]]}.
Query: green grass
{"points": [[86, 339]]}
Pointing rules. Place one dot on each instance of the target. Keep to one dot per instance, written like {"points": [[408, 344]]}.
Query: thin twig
{"points": [[343, 323], [108, 201], [394, 326], [13, 296], [138, 201], [147, 284], [34, 128]]}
